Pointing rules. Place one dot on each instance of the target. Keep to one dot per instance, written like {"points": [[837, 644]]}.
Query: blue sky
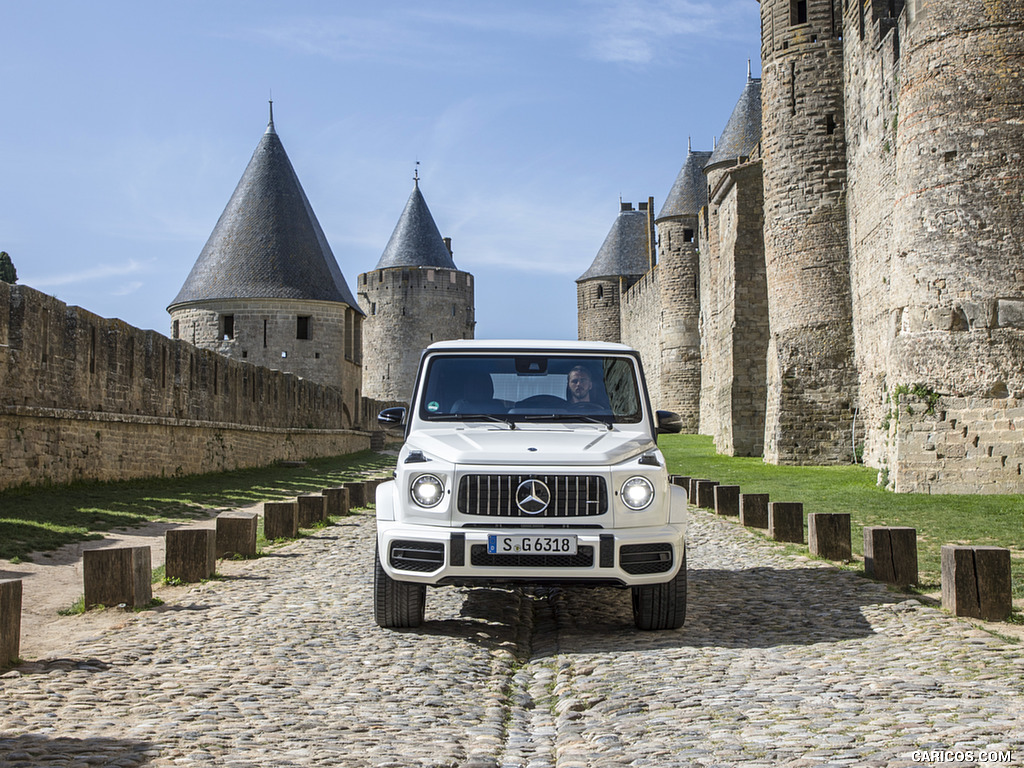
{"points": [[127, 126]]}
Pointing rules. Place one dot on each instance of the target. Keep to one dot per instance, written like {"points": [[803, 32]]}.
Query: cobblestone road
{"points": [[781, 662]]}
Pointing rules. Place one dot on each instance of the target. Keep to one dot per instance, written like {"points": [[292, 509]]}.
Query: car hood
{"points": [[533, 444]]}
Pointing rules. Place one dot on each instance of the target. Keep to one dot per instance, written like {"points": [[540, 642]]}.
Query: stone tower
{"points": [[733, 301], [679, 279], [412, 298], [812, 381], [266, 287], [626, 255]]}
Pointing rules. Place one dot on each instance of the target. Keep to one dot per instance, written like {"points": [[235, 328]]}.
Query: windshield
{"points": [[531, 388]]}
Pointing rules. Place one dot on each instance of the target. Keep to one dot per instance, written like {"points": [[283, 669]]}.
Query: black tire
{"points": [[396, 604], [661, 606]]}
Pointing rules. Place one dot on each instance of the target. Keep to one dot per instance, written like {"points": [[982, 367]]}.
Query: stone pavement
{"points": [[782, 662]]}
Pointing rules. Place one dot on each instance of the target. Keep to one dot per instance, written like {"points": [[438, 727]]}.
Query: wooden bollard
{"points": [[337, 501], [890, 554], [786, 521], [236, 533], [116, 576], [829, 534], [356, 494], [10, 621], [681, 480], [754, 510], [371, 490], [976, 582], [692, 489], [280, 520], [312, 510], [727, 500], [706, 493], [191, 554]]}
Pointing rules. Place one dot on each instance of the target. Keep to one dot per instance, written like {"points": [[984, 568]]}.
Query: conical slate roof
{"points": [[689, 193], [267, 243], [416, 241], [743, 130], [625, 249]]}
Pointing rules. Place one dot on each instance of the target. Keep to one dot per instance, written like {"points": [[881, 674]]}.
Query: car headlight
{"points": [[637, 493], [427, 490]]}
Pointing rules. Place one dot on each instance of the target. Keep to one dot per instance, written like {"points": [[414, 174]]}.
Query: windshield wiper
{"points": [[568, 417], [482, 417]]}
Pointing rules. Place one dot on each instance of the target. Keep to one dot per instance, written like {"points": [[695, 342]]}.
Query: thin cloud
{"points": [[101, 272]]}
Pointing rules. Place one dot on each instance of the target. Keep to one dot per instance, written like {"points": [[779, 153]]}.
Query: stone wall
{"points": [[641, 310], [406, 310], [598, 311], [87, 398]]}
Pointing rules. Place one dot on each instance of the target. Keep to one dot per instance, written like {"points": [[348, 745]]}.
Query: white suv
{"points": [[530, 462]]}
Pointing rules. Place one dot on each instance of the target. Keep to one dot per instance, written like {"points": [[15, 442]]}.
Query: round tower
{"points": [[624, 257], [679, 278], [811, 374], [412, 298], [266, 287]]}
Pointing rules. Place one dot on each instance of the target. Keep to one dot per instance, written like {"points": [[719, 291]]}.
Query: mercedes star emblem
{"points": [[532, 497]]}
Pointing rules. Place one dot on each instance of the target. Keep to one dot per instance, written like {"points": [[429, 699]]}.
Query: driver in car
{"points": [[580, 385]]}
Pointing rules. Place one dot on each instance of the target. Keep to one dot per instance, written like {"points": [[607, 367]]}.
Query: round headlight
{"points": [[637, 492], [427, 490]]}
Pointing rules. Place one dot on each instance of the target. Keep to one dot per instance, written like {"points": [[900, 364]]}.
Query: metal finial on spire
{"points": [[748, 69], [416, 175], [270, 125], [689, 144]]}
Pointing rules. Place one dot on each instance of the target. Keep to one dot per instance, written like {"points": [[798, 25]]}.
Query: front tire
{"points": [[661, 606], [396, 604]]}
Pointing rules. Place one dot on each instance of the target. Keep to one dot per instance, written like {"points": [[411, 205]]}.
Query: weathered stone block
{"points": [[754, 510], [236, 533], [727, 499], [786, 521], [191, 554], [829, 535], [280, 519], [890, 554], [116, 576], [370, 489], [706, 493], [337, 501], [10, 621], [312, 510], [976, 582]]}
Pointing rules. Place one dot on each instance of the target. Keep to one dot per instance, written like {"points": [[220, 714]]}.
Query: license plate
{"points": [[530, 545]]}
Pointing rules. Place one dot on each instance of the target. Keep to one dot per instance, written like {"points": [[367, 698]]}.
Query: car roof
{"points": [[529, 345]]}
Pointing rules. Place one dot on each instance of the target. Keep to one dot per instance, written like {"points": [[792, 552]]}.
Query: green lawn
{"points": [[947, 519], [45, 518]]}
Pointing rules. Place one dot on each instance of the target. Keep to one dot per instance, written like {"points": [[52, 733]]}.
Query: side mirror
{"points": [[668, 423], [391, 419]]}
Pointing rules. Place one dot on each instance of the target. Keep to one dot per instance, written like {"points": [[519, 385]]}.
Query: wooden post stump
{"points": [[754, 510], [786, 521], [116, 576], [10, 621], [280, 519], [890, 554], [692, 489], [706, 493], [976, 582], [371, 490], [236, 533], [682, 481], [191, 554], [312, 510], [727, 500], [356, 494], [337, 501], [829, 534]]}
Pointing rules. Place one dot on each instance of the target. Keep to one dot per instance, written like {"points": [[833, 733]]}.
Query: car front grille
{"points": [[495, 495], [584, 558]]}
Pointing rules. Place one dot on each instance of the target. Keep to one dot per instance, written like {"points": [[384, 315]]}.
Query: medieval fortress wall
{"points": [[861, 287], [86, 398]]}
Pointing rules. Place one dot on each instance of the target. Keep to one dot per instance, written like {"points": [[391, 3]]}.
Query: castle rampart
{"points": [[86, 398]]}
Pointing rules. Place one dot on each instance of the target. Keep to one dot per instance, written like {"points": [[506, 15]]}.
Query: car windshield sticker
{"points": [[433, 405]]}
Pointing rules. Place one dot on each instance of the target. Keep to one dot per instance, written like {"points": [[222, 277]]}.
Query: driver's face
{"points": [[580, 386]]}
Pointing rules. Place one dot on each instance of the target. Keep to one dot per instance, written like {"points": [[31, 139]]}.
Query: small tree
{"points": [[8, 273]]}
